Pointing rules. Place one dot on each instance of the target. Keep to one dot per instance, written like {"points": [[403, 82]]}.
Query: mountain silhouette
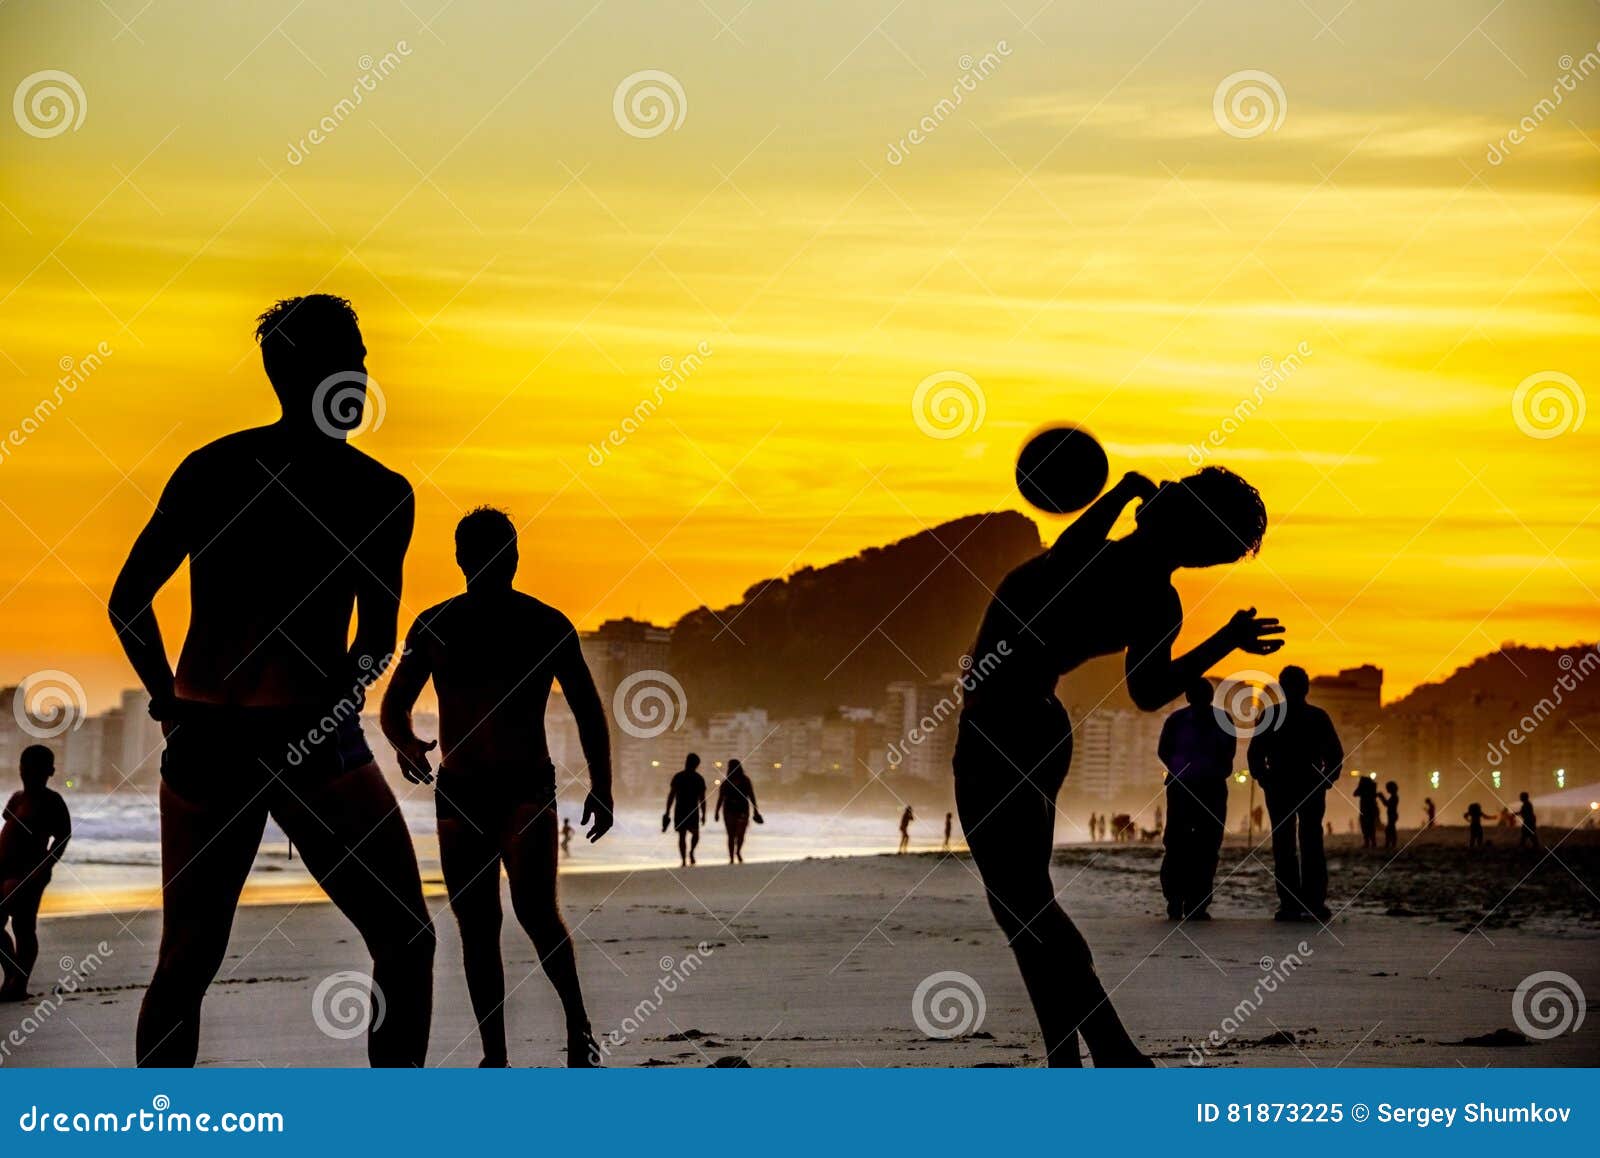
{"points": [[837, 635]]}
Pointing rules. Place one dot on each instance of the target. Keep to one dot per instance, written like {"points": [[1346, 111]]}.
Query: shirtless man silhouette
{"points": [[288, 529], [686, 808], [1082, 598], [493, 654], [33, 838]]}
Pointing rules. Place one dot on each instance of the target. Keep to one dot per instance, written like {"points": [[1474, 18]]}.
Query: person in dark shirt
{"points": [[1529, 837], [1391, 806], [686, 808], [1296, 757], [1474, 818], [1198, 753], [36, 829], [1366, 794], [736, 807]]}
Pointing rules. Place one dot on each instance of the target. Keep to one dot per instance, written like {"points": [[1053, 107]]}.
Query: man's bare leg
{"points": [[206, 853], [354, 842], [694, 843], [683, 847], [471, 863], [530, 858]]}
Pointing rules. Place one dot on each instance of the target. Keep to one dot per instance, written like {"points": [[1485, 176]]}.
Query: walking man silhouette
{"points": [[493, 654], [1085, 597], [287, 529], [1296, 757], [686, 808], [1197, 752]]}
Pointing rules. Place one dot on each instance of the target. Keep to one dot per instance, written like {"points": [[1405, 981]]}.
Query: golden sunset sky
{"points": [[1080, 236]]}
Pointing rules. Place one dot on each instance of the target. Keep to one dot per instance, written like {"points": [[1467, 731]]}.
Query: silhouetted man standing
{"points": [[493, 655], [686, 808], [1296, 760], [33, 838], [1198, 754], [288, 529]]}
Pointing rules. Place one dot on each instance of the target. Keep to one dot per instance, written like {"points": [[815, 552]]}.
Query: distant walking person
{"points": [[1366, 794], [1391, 805], [1093, 822], [1197, 752], [1529, 837], [686, 808], [566, 836], [493, 654], [1474, 818], [949, 820], [1296, 758], [34, 837], [287, 530], [1086, 596], [736, 806], [906, 818], [1431, 810]]}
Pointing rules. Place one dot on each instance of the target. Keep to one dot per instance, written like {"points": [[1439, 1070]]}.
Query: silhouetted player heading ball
{"points": [[1061, 469]]}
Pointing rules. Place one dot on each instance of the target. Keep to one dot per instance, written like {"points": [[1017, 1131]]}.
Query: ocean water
{"points": [[114, 860]]}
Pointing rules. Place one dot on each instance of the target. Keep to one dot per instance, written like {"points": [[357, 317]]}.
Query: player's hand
{"points": [[1139, 486], [414, 764], [1252, 633], [597, 806]]}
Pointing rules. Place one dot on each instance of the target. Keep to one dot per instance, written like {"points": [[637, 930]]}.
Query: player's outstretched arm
{"points": [[1091, 528], [1155, 677]]}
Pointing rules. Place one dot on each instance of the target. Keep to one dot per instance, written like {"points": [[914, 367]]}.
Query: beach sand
{"points": [[816, 963]]}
